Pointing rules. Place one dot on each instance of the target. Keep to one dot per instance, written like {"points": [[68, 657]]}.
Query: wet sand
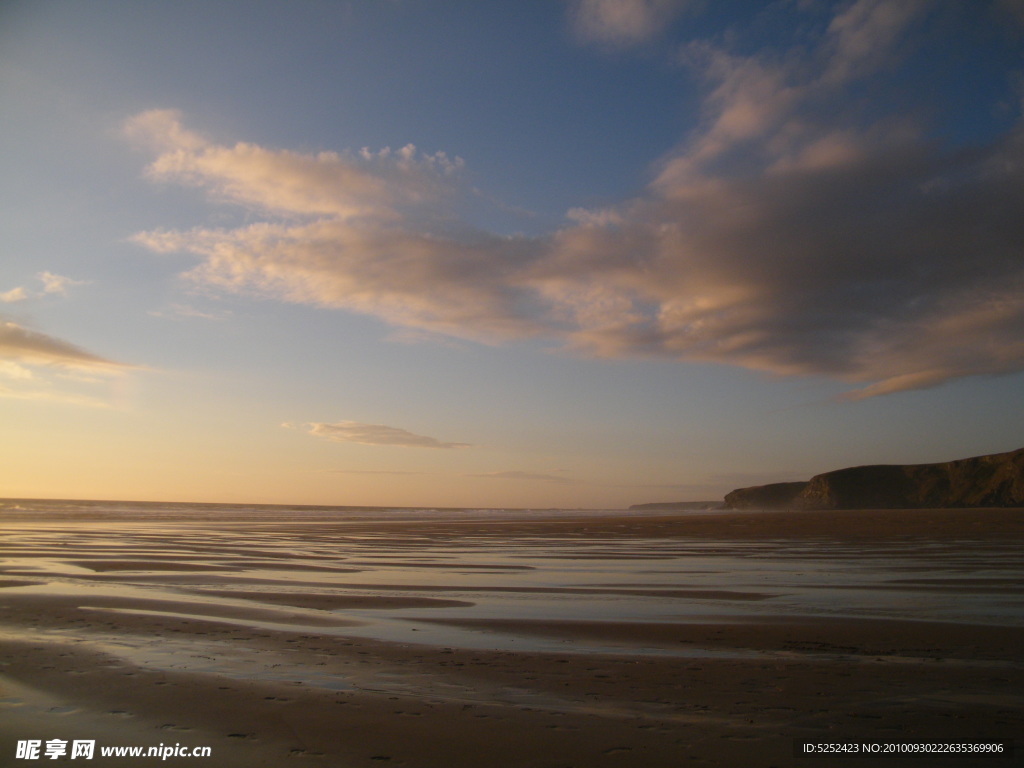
{"points": [[715, 639]]}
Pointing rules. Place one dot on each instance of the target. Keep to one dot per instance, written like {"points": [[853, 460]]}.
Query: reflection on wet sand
{"points": [[511, 639]]}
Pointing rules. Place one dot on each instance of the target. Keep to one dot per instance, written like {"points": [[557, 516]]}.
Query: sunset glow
{"points": [[582, 254]]}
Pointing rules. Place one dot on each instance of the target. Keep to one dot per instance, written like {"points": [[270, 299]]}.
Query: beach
{"points": [[541, 639]]}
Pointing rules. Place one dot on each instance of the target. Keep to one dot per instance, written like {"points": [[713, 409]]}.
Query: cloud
{"points": [[622, 23], [187, 311], [360, 232], [456, 286], [533, 477], [51, 284], [866, 36], [791, 232], [376, 434], [36, 366], [49, 396], [343, 186], [12, 370], [372, 472], [24, 345], [57, 283]]}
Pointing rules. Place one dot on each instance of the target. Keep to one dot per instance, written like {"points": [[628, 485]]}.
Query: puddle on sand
{"points": [[240, 664], [230, 660]]}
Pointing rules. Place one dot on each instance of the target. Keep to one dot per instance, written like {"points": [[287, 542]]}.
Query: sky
{"points": [[580, 253]]}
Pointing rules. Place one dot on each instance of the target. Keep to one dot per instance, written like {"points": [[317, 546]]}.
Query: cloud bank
{"points": [[790, 233], [376, 434]]}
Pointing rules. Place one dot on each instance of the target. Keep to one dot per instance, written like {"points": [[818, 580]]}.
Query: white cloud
{"points": [[57, 283], [376, 434], [52, 284], [14, 295]]}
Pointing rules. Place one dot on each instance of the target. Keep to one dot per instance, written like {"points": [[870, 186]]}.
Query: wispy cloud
{"points": [[372, 472], [187, 311], [51, 284], [14, 295], [363, 232], [532, 477], [342, 186], [11, 370], [40, 394], [57, 283], [376, 434], [36, 366], [622, 23], [790, 233], [25, 345], [866, 35]]}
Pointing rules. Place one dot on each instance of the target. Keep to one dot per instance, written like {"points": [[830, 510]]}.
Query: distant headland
{"points": [[672, 506], [995, 480]]}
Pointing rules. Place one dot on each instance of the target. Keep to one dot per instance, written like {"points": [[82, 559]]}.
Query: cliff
{"points": [[774, 496], [996, 480]]}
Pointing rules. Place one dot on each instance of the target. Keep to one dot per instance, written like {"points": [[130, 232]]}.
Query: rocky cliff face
{"points": [[996, 480], [774, 496]]}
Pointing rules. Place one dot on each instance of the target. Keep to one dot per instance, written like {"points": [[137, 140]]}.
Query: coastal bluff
{"points": [[995, 480]]}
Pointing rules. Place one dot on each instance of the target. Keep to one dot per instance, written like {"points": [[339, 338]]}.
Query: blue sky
{"points": [[586, 253]]}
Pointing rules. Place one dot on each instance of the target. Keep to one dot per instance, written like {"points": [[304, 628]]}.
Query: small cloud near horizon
{"points": [[375, 434], [372, 472], [37, 366], [537, 477]]}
